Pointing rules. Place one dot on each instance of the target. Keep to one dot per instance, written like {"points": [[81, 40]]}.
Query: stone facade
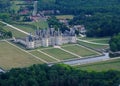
{"points": [[49, 37]]}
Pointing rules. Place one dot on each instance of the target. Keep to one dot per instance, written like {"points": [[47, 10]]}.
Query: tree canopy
{"points": [[115, 43], [58, 75]]}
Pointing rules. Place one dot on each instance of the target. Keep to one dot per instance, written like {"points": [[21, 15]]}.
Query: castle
{"points": [[47, 37]]}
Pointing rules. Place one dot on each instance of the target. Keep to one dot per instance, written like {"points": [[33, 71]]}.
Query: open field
{"points": [[105, 41], [32, 26], [97, 40], [93, 46], [11, 57], [44, 57], [15, 32], [79, 50], [102, 66], [64, 17], [25, 28], [59, 54], [41, 23]]}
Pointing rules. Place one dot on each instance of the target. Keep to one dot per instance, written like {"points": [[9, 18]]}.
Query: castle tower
{"points": [[29, 43], [58, 38], [35, 8], [73, 39], [45, 42]]}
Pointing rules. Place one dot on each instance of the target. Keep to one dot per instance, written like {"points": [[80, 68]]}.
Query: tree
{"points": [[115, 43]]}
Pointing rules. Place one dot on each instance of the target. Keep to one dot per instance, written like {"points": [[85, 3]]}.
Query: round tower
{"points": [[73, 39], [58, 40], [45, 42]]}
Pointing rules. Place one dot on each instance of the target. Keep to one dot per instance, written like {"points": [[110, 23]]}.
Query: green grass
{"points": [[80, 50], [102, 66], [64, 17], [26, 28], [32, 26], [41, 23], [94, 46], [42, 56], [15, 33], [15, 6], [101, 41], [12, 57], [93, 38], [59, 54]]}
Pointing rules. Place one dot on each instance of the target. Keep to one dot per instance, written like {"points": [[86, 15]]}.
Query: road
{"points": [[87, 60]]}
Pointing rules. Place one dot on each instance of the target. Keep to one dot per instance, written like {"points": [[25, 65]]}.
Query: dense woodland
{"points": [[81, 6], [100, 17], [58, 75], [115, 43], [99, 25]]}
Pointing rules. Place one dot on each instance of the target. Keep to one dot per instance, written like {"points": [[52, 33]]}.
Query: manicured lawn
{"points": [[59, 54], [65, 17], [15, 32], [102, 66], [26, 28], [99, 40], [41, 23], [12, 57], [42, 56], [105, 41], [80, 50], [94, 46], [93, 38], [32, 26]]}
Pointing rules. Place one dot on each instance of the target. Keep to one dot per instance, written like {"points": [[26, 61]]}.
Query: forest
{"points": [[100, 17], [77, 7], [115, 43], [58, 75], [98, 25]]}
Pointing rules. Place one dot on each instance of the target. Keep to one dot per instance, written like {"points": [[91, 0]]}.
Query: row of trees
{"points": [[58, 75], [4, 33]]}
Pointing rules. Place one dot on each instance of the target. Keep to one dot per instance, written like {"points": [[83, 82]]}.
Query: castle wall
{"points": [[45, 42], [58, 40], [73, 39], [47, 38], [38, 43], [30, 45]]}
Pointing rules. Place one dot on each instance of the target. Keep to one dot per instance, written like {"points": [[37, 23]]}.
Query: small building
{"points": [[80, 28]]}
